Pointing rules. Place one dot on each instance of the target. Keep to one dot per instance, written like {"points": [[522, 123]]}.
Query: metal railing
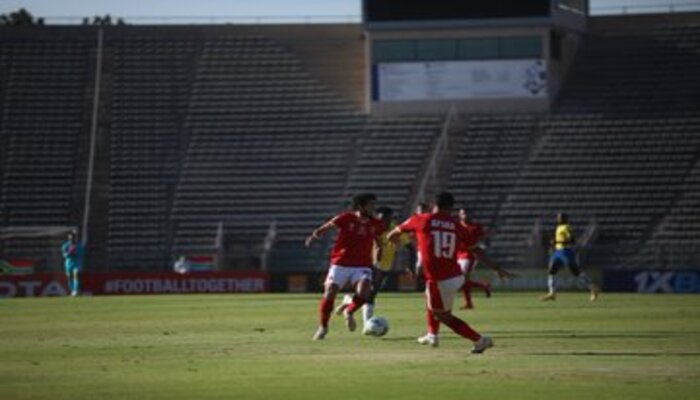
{"points": [[93, 136], [218, 19], [430, 173]]}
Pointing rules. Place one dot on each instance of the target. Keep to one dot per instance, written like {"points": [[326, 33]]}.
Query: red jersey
{"points": [[355, 242], [438, 236], [475, 230]]}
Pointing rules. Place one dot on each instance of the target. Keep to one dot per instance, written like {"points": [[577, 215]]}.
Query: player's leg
{"points": [[347, 299], [378, 279], [582, 279], [441, 298], [368, 308], [457, 325], [69, 280], [76, 282], [325, 309], [363, 288], [448, 289], [330, 291], [485, 286], [362, 280], [467, 288], [418, 266], [554, 265], [470, 283], [432, 300], [431, 338]]}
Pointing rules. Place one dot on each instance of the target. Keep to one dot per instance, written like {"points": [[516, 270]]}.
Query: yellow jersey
{"points": [[389, 249], [563, 237]]}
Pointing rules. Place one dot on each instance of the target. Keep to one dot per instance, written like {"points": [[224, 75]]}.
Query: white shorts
{"points": [[342, 276], [441, 294], [467, 265]]}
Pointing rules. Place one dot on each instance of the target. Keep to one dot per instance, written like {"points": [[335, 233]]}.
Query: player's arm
{"points": [[379, 243], [401, 231], [394, 234], [320, 231], [570, 239], [379, 250], [485, 233], [481, 256], [70, 250], [417, 271]]}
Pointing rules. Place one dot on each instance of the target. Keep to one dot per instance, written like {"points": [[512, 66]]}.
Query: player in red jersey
{"points": [[438, 235], [421, 208], [352, 258], [468, 259]]}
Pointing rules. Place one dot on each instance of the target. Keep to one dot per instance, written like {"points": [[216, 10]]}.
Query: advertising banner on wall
{"points": [[650, 281], [454, 80], [533, 280], [42, 285], [16, 267]]}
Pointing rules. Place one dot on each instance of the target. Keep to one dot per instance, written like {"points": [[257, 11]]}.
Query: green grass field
{"points": [[259, 347]]}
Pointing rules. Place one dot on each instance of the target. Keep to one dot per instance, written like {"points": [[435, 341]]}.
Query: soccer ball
{"points": [[376, 326]]}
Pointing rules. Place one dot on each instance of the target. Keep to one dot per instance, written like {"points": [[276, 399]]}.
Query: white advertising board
{"points": [[451, 80]]}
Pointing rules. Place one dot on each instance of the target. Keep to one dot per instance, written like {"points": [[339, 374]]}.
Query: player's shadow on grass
{"points": [[588, 335], [400, 338], [614, 354]]}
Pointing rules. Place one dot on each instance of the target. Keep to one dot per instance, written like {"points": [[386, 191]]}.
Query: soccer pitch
{"points": [[626, 346]]}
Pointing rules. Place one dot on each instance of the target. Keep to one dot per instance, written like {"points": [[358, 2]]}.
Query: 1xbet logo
{"points": [[668, 282]]}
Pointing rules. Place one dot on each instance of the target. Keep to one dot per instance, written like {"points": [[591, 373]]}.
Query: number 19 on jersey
{"points": [[444, 243]]}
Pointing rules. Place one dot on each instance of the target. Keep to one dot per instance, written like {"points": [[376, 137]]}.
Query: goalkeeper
{"points": [[73, 252]]}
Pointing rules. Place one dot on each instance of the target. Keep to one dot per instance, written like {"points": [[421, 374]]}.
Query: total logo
{"points": [[32, 288]]}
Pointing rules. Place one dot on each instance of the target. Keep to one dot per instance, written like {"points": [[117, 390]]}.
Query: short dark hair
{"points": [[362, 199], [563, 217], [444, 200], [387, 212]]}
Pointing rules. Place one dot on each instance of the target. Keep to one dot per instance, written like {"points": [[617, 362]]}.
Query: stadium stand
{"points": [[674, 242], [618, 151], [390, 156], [492, 151], [622, 173], [44, 89], [268, 142], [637, 71], [240, 127], [149, 95], [271, 143]]}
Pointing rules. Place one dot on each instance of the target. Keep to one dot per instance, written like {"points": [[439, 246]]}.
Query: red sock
{"points": [[463, 329], [433, 323], [482, 285], [467, 289], [357, 302], [324, 310]]}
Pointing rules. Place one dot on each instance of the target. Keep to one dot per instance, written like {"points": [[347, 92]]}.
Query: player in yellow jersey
{"points": [[564, 255]]}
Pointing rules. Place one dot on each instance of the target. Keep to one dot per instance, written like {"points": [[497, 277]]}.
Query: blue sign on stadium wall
{"points": [[646, 281]]}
